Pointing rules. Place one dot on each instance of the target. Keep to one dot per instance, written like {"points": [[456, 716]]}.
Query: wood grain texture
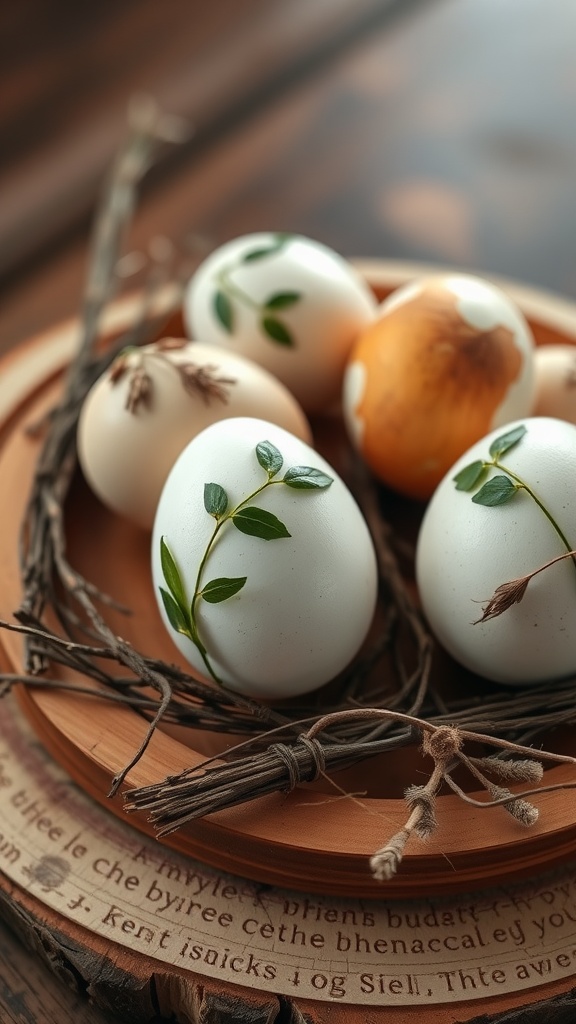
{"points": [[37, 975], [440, 136], [69, 72]]}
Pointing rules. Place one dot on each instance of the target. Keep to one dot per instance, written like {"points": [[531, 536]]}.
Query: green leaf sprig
{"points": [[250, 520], [498, 490], [228, 292]]}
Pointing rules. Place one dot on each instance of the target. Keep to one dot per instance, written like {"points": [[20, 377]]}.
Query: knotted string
{"points": [[299, 769]]}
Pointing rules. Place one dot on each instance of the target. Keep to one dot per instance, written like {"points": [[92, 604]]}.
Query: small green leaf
{"points": [[171, 574], [306, 478], [496, 491], [176, 616], [280, 300], [260, 254], [507, 441], [221, 589], [258, 522], [263, 251], [468, 477], [215, 500], [269, 457], [223, 310], [276, 330]]}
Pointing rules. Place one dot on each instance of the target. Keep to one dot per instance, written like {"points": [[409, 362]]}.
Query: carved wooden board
{"points": [[149, 911]]}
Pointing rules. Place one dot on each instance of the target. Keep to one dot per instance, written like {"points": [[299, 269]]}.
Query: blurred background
{"points": [[435, 130], [441, 130]]}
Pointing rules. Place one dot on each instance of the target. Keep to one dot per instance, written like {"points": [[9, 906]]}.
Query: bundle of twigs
{"points": [[385, 700]]}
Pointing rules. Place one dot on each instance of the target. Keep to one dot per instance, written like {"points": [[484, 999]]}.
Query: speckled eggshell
{"points": [[333, 303], [466, 550], [448, 358], [308, 600], [555, 371], [126, 456]]}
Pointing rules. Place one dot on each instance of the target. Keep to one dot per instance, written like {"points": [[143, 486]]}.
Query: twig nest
{"points": [[152, 401], [262, 563], [504, 511], [289, 303], [448, 358]]}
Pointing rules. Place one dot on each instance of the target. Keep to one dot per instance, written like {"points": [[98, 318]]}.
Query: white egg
{"points": [[144, 410], [467, 549], [279, 616], [555, 371], [287, 302]]}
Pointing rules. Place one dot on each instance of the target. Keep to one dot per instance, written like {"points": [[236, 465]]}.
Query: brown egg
{"points": [[448, 359]]}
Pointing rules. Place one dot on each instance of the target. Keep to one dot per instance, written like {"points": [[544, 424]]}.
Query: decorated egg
{"points": [[555, 372], [142, 412], [263, 566], [289, 303], [448, 358], [495, 579]]}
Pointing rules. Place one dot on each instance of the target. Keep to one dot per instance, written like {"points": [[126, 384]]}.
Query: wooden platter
{"points": [[310, 839]]}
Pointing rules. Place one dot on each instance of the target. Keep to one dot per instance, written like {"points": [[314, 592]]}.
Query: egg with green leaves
{"points": [[495, 563], [287, 302], [263, 565]]}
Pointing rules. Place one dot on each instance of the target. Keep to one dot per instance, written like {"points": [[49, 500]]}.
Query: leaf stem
{"points": [[522, 483], [221, 522], [231, 288], [270, 324], [194, 634]]}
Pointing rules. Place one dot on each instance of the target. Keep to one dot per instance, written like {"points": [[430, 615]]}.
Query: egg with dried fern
{"points": [[152, 401]]}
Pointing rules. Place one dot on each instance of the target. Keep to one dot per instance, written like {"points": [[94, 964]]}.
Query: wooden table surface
{"points": [[436, 130]]}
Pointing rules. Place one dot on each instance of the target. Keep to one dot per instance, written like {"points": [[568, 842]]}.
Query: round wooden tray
{"points": [[309, 839]]}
